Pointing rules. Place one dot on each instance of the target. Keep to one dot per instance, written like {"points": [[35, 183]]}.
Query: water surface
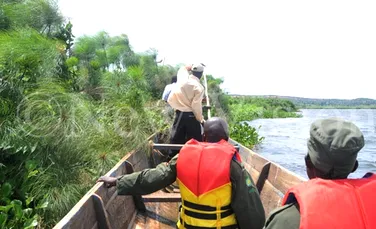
{"points": [[286, 139]]}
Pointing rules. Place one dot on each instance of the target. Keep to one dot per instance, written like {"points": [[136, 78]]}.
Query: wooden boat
{"points": [[102, 208]]}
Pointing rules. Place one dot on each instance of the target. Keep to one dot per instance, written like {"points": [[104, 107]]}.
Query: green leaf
{"points": [[3, 219], [5, 200], [6, 208], [42, 205], [26, 79], [34, 147], [6, 190], [17, 206], [29, 200], [27, 212], [19, 149], [16, 202], [72, 61], [32, 173], [30, 223]]}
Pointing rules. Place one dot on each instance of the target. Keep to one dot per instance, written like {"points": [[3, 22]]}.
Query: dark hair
{"points": [[197, 74], [174, 79]]}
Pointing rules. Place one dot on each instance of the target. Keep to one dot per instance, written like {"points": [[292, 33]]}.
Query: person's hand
{"points": [[108, 181], [188, 67]]}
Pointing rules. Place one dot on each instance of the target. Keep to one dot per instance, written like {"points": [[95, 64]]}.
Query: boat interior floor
{"points": [[157, 214]]}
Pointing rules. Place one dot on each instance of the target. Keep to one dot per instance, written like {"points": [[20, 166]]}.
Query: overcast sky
{"points": [[320, 49]]}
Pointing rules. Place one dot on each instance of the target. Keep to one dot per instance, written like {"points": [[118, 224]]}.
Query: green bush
{"points": [[250, 108], [245, 134]]}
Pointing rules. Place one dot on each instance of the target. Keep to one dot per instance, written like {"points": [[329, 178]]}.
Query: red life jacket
{"points": [[203, 175], [335, 204]]}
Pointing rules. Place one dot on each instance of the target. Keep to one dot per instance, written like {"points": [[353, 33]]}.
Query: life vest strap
{"points": [[203, 207], [210, 216], [187, 226]]}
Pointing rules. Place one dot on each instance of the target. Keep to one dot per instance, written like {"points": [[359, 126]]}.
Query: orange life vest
{"points": [[336, 204], [203, 175]]}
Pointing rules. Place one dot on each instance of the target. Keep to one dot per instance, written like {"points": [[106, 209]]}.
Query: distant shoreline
{"points": [[339, 108], [312, 103], [295, 97]]}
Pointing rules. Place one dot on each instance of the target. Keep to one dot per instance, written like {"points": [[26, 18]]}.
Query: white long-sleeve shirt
{"points": [[187, 97], [167, 91]]}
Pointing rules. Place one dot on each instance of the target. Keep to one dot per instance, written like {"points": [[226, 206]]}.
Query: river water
{"points": [[285, 140]]}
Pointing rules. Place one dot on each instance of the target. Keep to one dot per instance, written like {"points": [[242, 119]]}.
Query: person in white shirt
{"points": [[168, 88], [186, 99]]}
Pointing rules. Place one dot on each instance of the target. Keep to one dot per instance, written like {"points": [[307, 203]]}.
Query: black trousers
{"points": [[185, 127]]}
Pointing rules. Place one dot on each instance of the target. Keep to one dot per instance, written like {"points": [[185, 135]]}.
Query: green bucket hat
{"points": [[333, 146]]}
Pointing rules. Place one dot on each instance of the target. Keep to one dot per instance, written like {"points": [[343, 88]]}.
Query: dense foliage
{"points": [[250, 108], [69, 111], [218, 99], [245, 134]]}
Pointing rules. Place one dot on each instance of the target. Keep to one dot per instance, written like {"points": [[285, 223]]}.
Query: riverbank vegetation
{"points": [[312, 103], [337, 106], [249, 108], [308, 103], [68, 112], [239, 110]]}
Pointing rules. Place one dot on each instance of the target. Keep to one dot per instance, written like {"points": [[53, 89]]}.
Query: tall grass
{"points": [[74, 139], [64, 118]]}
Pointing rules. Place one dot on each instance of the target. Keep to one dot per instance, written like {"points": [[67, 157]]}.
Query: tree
{"points": [[41, 15], [26, 56]]}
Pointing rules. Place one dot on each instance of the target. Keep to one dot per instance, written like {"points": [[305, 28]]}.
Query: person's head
{"points": [[333, 147], [174, 79], [215, 130], [197, 70]]}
